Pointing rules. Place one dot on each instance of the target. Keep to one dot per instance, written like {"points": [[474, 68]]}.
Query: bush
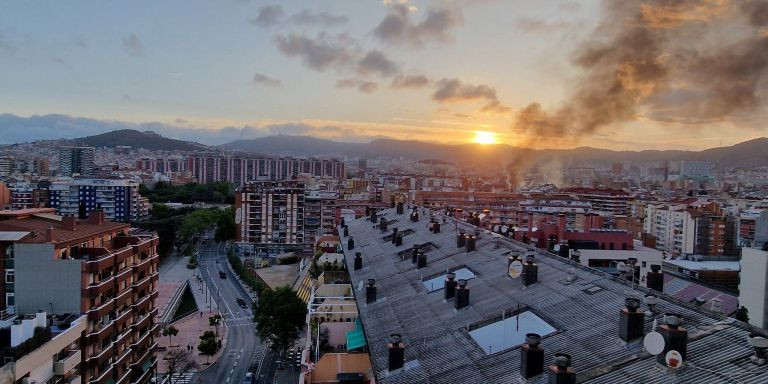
{"points": [[242, 273], [192, 264]]}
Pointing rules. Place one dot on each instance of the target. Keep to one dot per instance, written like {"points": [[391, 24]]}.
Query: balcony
{"points": [[101, 310], [104, 377], [96, 289], [74, 380], [101, 333], [65, 365]]}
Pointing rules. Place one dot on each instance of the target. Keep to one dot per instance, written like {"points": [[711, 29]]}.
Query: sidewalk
{"points": [[190, 327]]}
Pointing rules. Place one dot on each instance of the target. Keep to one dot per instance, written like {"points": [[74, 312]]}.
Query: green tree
{"points": [[170, 331], [207, 345], [279, 315], [742, 314], [225, 225], [214, 321]]}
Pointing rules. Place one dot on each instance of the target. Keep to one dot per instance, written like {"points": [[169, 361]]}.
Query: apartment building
{"points": [[241, 169], [118, 198], [101, 269], [753, 228], [271, 214], [76, 161], [687, 227], [319, 214]]}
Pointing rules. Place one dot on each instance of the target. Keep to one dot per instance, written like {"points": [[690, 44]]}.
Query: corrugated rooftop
{"points": [[585, 313]]}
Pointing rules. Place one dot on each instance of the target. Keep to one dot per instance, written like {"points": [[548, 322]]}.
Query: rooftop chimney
{"points": [[415, 254], [398, 239], [760, 344], [351, 243], [370, 291], [346, 231], [530, 270], [450, 286], [399, 208], [462, 294], [561, 372], [435, 227], [414, 216], [675, 338], [421, 260], [394, 234], [531, 357], [561, 227], [470, 243], [358, 261], [383, 225], [631, 321], [461, 240], [69, 223], [396, 352], [97, 216], [655, 278], [49, 234]]}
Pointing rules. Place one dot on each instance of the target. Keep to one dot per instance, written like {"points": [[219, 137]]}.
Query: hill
{"points": [[138, 139]]}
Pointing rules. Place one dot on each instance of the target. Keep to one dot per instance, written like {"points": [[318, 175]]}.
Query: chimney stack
{"points": [[415, 254], [358, 261], [383, 225], [346, 231], [655, 278], [470, 243], [760, 344], [561, 372], [398, 239], [370, 291], [69, 223], [351, 243], [421, 260], [414, 216], [450, 286], [675, 339], [399, 208], [462, 294], [435, 227], [373, 217], [394, 234], [396, 352], [461, 240], [530, 270], [631, 321], [97, 216], [531, 357], [49, 234]]}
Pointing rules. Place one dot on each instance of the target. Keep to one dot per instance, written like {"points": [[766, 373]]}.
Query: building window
{"points": [[10, 276], [10, 299]]}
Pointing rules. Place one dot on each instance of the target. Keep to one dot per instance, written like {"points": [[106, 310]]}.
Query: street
{"points": [[243, 349]]}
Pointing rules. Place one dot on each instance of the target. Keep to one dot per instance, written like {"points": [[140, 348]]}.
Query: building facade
{"points": [[76, 161], [270, 214], [242, 169], [119, 198]]}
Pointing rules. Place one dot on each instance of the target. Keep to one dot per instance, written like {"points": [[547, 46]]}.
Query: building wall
{"points": [[35, 263], [753, 288]]}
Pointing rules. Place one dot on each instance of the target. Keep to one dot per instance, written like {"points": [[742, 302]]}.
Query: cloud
{"points": [[409, 81], [374, 62], [367, 87], [307, 17], [132, 45], [269, 15], [320, 53], [361, 85], [397, 28], [261, 79], [453, 91], [289, 129], [533, 25]]}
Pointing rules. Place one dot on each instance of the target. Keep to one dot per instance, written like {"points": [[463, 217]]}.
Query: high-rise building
{"points": [[319, 214], [76, 161], [119, 198], [97, 268], [242, 169], [270, 215]]}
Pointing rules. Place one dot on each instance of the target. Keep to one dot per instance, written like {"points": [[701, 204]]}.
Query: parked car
{"points": [[248, 378], [222, 274], [242, 303]]}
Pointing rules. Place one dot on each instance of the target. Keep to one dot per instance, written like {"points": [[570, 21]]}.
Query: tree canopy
{"points": [[279, 315]]}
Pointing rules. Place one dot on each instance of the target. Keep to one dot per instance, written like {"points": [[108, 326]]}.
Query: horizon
{"points": [[550, 74]]}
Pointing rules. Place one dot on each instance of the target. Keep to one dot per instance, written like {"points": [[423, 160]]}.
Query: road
{"points": [[243, 349]]}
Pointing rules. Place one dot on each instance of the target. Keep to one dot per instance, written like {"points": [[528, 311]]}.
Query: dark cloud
{"points": [[320, 53], [132, 45], [409, 81], [308, 17], [398, 28], [374, 62], [453, 90], [262, 79], [269, 15]]}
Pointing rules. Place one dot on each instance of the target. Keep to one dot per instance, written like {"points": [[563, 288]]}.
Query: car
{"points": [[248, 378], [241, 303], [222, 274]]}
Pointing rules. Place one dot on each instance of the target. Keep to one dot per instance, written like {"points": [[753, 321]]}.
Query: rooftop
{"points": [[37, 226], [584, 313]]}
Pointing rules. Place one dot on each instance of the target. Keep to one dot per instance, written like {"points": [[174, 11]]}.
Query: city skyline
{"points": [[349, 71]]}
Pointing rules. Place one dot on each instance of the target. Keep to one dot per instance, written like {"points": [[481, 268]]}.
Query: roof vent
{"points": [[462, 294], [461, 240], [675, 339], [415, 254], [346, 231], [399, 208], [370, 291], [470, 243], [631, 320], [561, 372], [531, 357], [383, 225], [450, 286], [351, 243], [530, 270], [760, 344], [655, 278], [421, 260], [396, 352], [398, 239], [358, 261]]}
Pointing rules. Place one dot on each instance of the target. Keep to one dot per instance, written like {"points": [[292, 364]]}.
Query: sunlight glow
{"points": [[485, 137]]}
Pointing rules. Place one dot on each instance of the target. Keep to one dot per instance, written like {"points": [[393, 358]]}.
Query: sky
{"points": [[513, 71]]}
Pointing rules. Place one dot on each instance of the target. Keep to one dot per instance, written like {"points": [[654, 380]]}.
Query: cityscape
{"points": [[397, 191]]}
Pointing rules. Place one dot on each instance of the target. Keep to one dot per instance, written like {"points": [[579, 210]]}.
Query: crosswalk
{"points": [[180, 379], [294, 357]]}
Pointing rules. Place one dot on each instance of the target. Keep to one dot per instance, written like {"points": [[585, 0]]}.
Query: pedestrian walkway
{"points": [[183, 379]]}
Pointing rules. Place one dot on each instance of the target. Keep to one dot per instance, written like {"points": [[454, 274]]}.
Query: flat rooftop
{"points": [[714, 265], [584, 313]]}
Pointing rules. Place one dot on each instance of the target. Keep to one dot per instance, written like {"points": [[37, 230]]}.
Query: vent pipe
{"points": [[49, 234], [631, 320], [531, 357], [470, 243], [435, 227], [421, 261], [675, 339], [450, 286], [383, 225], [351, 243], [358, 261], [461, 240], [760, 344], [370, 291], [394, 234], [396, 352], [398, 239], [530, 270], [561, 372], [655, 278], [415, 254], [462, 294], [346, 231]]}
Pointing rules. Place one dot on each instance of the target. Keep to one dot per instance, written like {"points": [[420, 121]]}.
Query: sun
{"points": [[485, 137]]}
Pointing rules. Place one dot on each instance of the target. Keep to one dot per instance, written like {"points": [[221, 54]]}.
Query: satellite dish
{"points": [[496, 228], [504, 228], [654, 343], [674, 359], [535, 229], [557, 247], [515, 269]]}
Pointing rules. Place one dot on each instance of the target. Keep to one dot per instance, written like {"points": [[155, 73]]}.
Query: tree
{"points": [[178, 362], [742, 314], [207, 345], [279, 315], [214, 321], [225, 225], [170, 331]]}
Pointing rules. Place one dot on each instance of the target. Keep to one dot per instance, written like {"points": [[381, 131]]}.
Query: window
{"points": [[10, 276], [10, 299]]}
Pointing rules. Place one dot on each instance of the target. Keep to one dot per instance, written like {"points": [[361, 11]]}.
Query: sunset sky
{"points": [[450, 71]]}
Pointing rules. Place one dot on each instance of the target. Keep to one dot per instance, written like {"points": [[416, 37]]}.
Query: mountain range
{"points": [[747, 154]]}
